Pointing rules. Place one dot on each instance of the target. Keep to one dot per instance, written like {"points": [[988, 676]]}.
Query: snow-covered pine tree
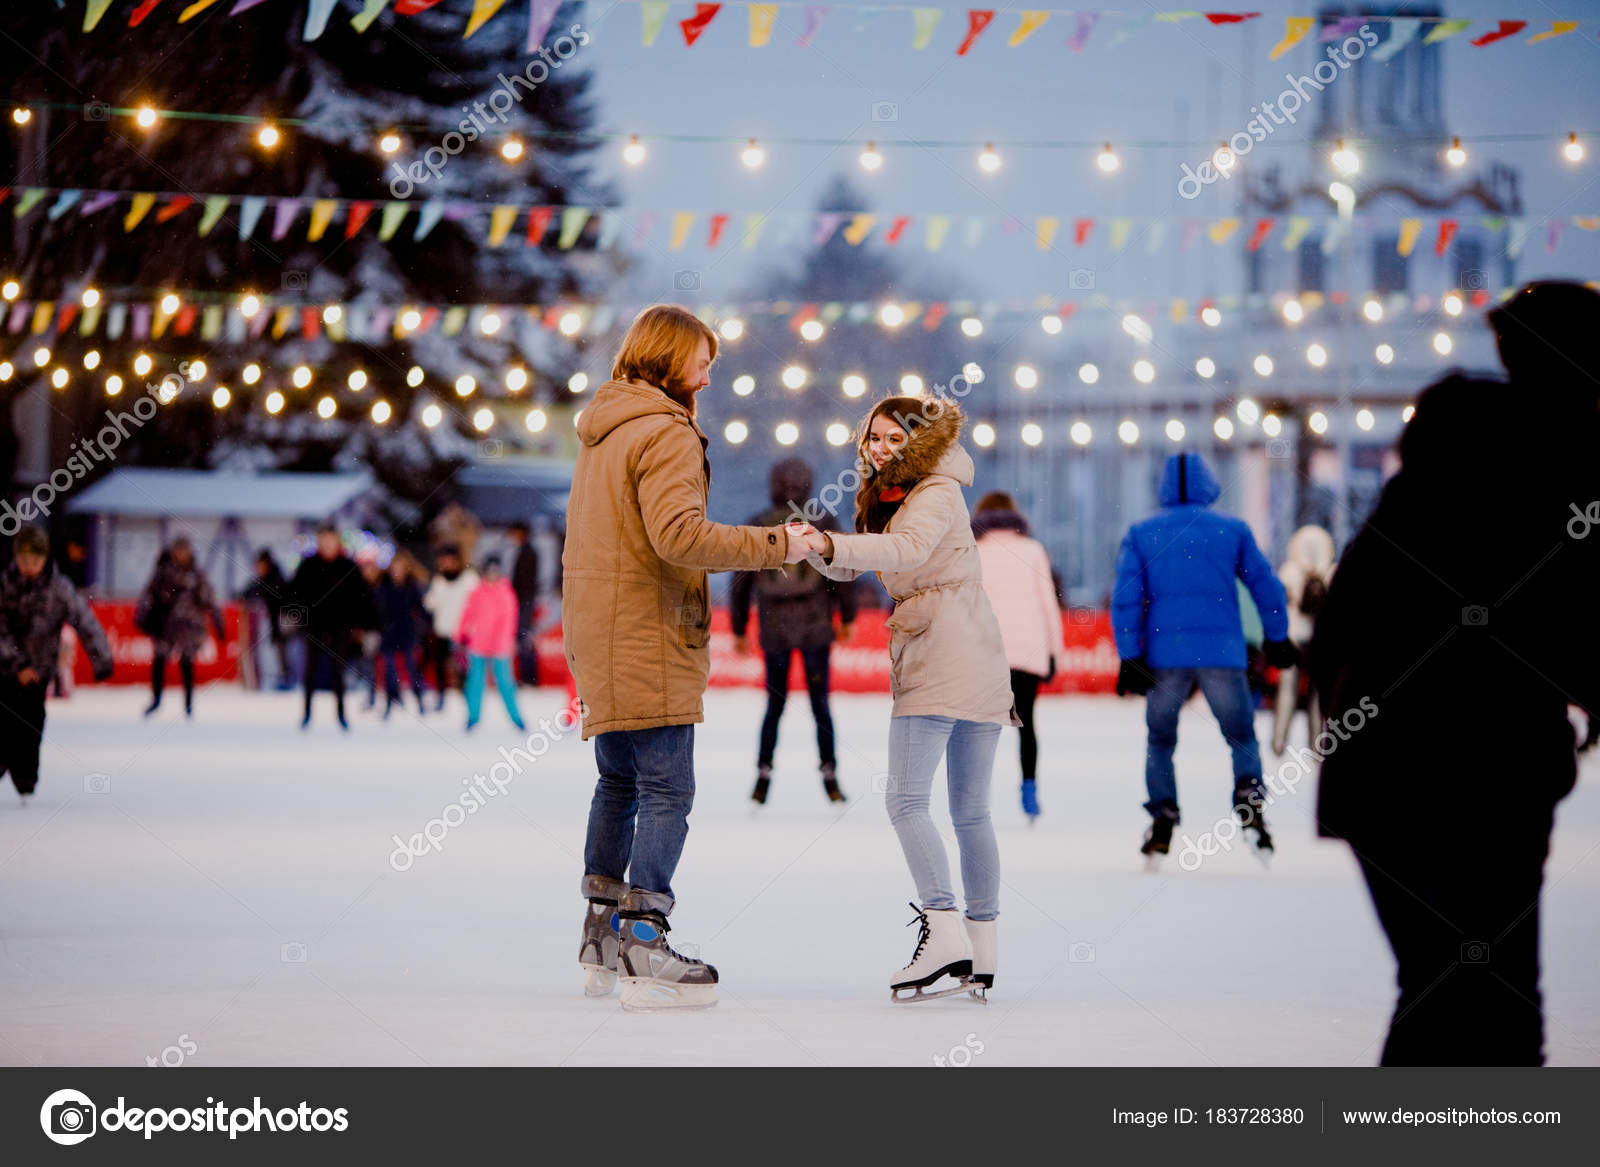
{"points": [[410, 71]]}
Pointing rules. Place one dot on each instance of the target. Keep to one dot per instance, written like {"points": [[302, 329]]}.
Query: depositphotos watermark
{"points": [[1290, 102], [480, 789], [87, 452], [71, 1116], [480, 114], [1303, 763]]}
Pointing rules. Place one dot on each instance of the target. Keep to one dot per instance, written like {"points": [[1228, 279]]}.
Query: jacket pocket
{"points": [[686, 608], [906, 626]]}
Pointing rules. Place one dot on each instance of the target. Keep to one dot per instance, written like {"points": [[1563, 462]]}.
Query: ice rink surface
{"points": [[224, 892]]}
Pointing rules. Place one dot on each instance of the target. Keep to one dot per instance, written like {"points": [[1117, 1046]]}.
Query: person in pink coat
{"points": [[1016, 576], [488, 635]]}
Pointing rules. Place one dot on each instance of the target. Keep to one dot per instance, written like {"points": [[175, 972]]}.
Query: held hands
{"points": [[803, 540], [28, 676]]}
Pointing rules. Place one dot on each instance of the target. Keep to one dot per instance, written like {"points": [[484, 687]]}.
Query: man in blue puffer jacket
{"points": [[1176, 614]]}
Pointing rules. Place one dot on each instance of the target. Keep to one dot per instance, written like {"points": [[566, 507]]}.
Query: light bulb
{"points": [[414, 376], [892, 315], [854, 385], [1223, 428], [971, 326], [1262, 365], [633, 152], [1318, 422], [249, 305], [432, 415], [731, 329], [1293, 312], [170, 303], [220, 397], [837, 433], [1456, 156], [59, 378], [251, 373], [1271, 425], [511, 149], [1442, 343], [1316, 356], [1345, 160], [1223, 158], [326, 407], [516, 379], [357, 380], [535, 421], [1452, 304], [1248, 411], [1573, 150], [332, 314], [301, 377], [870, 158], [466, 384], [744, 385], [753, 155], [483, 420], [490, 323], [91, 359], [142, 364], [1144, 372], [411, 320], [1128, 431], [113, 385], [812, 330], [1364, 419], [1080, 433], [911, 385], [983, 434], [1051, 324], [578, 382], [794, 377], [1384, 353], [10, 290], [1210, 317], [1088, 373], [267, 136], [570, 323], [21, 115], [389, 144], [381, 412], [1206, 367], [1026, 377], [988, 161], [1032, 433], [41, 356], [1372, 310], [1107, 160], [736, 432], [274, 402], [90, 297], [973, 372], [1175, 430], [787, 433]]}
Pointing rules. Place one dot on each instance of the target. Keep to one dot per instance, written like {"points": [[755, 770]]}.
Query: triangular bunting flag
{"points": [[500, 220], [1080, 231], [356, 218], [138, 210], [92, 14], [282, 215], [194, 10], [978, 19], [753, 223], [762, 17], [1299, 225], [1402, 31], [64, 203], [250, 211], [1506, 28], [814, 15], [1445, 28], [321, 215], [540, 14], [1044, 231], [216, 207], [1447, 232], [681, 222], [860, 227], [1222, 229], [693, 26], [1259, 235], [1557, 28], [897, 229], [176, 207], [923, 22], [573, 221], [362, 20], [428, 218], [651, 15], [719, 224], [1120, 229], [1295, 29], [389, 223], [482, 10], [938, 228], [145, 8], [317, 18], [1409, 230], [1082, 25], [827, 223], [1032, 20]]}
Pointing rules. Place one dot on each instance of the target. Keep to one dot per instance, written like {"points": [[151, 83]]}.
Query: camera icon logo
{"points": [[97, 783], [68, 1117], [292, 616], [293, 952], [1475, 952], [1278, 448], [1081, 616], [96, 111], [1081, 953], [1474, 280], [686, 281], [492, 448], [882, 784], [1081, 279], [885, 111], [295, 280], [1475, 616]]}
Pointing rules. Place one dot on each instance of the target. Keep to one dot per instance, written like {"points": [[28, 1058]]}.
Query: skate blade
{"points": [[1152, 862], [598, 981], [919, 993], [647, 995]]}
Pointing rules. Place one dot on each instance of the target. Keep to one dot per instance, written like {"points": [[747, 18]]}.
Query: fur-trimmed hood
{"points": [[932, 448]]}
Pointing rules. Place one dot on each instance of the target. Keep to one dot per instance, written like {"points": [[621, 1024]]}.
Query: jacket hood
{"points": [[932, 448], [617, 402], [1311, 548], [790, 481], [1186, 479], [985, 521]]}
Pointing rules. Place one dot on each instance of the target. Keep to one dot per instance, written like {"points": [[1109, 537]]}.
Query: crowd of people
{"points": [[1439, 605]]}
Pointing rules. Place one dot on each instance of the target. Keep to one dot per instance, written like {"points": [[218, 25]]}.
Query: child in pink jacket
{"points": [[488, 635]]}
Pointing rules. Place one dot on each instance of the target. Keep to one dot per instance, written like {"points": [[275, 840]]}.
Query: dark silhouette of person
{"points": [[1458, 629]]}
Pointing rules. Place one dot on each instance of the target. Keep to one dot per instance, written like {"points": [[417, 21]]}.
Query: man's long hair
{"points": [[659, 343]]}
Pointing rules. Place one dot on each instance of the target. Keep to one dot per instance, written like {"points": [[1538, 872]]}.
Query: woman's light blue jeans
{"points": [[915, 746], [501, 665]]}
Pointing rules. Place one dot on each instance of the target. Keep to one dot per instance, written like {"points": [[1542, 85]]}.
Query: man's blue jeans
{"points": [[1228, 693], [639, 817]]}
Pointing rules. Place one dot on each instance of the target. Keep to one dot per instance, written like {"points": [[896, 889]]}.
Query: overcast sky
{"points": [[1188, 81]]}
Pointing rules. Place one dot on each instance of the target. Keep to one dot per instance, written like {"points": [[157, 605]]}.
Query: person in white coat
{"points": [[444, 600], [1305, 576], [947, 670], [1022, 592]]}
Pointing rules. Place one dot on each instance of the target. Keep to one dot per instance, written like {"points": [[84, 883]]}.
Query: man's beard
{"points": [[680, 391]]}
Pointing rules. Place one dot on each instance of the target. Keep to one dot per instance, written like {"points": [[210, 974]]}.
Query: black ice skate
{"points": [[763, 783], [830, 784], [1157, 841], [1248, 804]]}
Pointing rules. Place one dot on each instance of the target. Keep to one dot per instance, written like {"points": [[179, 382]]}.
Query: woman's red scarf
{"points": [[892, 493]]}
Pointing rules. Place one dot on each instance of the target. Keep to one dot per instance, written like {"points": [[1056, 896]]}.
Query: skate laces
{"points": [[921, 918]]}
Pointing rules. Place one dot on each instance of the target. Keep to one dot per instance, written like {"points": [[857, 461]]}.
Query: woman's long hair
{"points": [[910, 414]]}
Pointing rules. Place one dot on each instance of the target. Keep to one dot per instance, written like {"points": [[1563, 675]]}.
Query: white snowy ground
{"points": [[224, 894]]}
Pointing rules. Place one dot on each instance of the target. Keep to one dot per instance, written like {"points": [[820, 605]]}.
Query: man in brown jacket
{"points": [[636, 625]]}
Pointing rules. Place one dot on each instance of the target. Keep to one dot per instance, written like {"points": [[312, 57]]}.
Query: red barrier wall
{"points": [[132, 650], [862, 664]]}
